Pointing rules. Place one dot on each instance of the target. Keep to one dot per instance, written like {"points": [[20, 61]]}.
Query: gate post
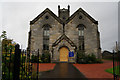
{"points": [[38, 65], [16, 70], [113, 64], [118, 62]]}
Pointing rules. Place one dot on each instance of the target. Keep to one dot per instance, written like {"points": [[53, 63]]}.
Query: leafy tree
{"points": [[4, 35], [7, 44]]}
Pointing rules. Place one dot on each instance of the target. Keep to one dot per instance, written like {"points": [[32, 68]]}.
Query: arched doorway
{"points": [[64, 54]]}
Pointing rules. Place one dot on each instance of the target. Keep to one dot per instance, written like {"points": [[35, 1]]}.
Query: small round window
{"points": [[46, 17], [80, 17]]}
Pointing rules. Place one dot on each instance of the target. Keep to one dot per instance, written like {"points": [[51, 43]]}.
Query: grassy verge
{"points": [[117, 69]]}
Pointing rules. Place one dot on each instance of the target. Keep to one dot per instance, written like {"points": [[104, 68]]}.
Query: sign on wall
{"points": [[71, 54]]}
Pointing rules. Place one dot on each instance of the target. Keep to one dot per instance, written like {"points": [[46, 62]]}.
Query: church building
{"points": [[63, 35]]}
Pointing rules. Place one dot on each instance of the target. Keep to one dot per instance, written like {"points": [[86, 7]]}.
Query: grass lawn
{"points": [[117, 70]]}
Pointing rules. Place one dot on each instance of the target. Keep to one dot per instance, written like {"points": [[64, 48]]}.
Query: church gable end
{"points": [[78, 32], [81, 11], [45, 11], [64, 37]]}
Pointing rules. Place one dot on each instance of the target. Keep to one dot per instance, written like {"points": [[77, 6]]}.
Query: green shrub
{"points": [[99, 61], [82, 58], [45, 58], [34, 59]]}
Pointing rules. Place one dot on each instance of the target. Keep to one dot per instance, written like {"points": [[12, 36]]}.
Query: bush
{"points": [[87, 59], [99, 61], [34, 59], [46, 58]]}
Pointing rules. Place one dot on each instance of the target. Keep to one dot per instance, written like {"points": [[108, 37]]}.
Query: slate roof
{"points": [[65, 38], [82, 11], [59, 20], [45, 11]]}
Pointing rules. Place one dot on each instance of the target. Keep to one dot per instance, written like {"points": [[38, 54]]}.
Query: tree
{"points": [[7, 44], [4, 35]]}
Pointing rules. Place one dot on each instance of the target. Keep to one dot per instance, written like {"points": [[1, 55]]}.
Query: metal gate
{"points": [[18, 66]]}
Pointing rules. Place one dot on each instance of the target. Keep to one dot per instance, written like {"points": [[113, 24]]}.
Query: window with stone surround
{"points": [[46, 37], [81, 36]]}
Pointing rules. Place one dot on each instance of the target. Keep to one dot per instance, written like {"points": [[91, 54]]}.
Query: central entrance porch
{"points": [[61, 50]]}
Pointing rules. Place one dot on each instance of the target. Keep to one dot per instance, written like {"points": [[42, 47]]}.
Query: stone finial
{"points": [[68, 7], [58, 7], [58, 10]]}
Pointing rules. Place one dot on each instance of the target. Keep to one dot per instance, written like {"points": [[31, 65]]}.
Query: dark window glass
{"points": [[81, 46], [80, 17], [80, 30], [81, 36], [46, 17], [46, 38]]}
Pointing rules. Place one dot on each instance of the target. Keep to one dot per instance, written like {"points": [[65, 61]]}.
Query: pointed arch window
{"points": [[81, 36], [81, 30], [46, 34]]}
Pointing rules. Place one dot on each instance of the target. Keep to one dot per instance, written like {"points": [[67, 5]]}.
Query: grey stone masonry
{"points": [[64, 32]]}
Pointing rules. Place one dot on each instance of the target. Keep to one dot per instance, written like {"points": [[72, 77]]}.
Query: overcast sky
{"points": [[16, 17]]}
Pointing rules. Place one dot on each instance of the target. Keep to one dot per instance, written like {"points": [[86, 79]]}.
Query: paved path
{"points": [[62, 70]]}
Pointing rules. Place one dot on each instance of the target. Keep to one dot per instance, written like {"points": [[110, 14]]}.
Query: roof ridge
{"points": [[84, 12], [59, 20], [41, 14], [61, 38]]}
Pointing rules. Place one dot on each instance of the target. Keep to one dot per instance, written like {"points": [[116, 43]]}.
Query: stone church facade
{"points": [[62, 34]]}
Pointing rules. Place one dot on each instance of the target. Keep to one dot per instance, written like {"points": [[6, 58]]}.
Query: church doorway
{"points": [[64, 54]]}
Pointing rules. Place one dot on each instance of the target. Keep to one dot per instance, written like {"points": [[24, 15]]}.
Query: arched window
{"points": [[46, 37], [46, 31], [81, 36], [80, 30]]}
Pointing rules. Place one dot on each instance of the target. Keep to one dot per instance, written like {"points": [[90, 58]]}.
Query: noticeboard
{"points": [[71, 54]]}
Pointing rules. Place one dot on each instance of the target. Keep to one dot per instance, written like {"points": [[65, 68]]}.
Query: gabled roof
{"points": [[45, 11], [65, 38], [59, 20], [82, 11]]}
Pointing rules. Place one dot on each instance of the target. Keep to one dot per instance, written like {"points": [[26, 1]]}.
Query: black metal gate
{"points": [[18, 66]]}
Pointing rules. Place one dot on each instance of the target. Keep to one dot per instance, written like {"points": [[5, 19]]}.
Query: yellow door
{"points": [[64, 54]]}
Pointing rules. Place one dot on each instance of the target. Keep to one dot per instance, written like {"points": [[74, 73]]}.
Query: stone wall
{"points": [[91, 35], [57, 53], [37, 32]]}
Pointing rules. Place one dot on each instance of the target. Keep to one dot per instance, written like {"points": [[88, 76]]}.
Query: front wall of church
{"points": [[90, 35], [37, 32]]}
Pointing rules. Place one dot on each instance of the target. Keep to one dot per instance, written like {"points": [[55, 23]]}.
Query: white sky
{"points": [[17, 15]]}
